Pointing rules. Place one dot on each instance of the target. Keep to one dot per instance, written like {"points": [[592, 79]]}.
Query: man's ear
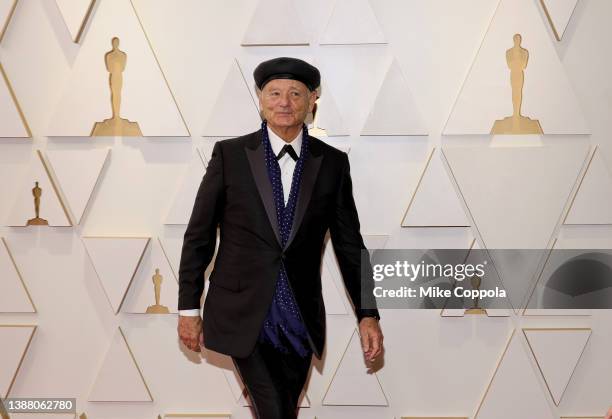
{"points": [[313, 99]]}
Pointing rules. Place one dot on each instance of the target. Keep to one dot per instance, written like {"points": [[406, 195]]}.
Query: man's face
{"points": [[286, 103]]}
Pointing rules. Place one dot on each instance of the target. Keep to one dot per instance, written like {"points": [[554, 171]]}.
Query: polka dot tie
{"points": [[283, 326]]}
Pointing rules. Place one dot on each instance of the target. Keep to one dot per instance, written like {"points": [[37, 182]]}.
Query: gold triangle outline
{"points": [[144, 248], [15, 101], [23, 284], [139, 267], [73, 217], [550, 21], [23, 354], [553, 329], [355, 332], [129, 349], [9, 16]]}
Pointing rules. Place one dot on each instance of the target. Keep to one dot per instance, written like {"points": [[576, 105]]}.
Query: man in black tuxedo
{"points": [[273, 194]]}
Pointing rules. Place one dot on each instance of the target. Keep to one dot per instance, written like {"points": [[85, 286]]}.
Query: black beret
{"points": [[287, 68]]}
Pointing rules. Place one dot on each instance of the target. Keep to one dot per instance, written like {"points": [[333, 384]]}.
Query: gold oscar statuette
{"points": [[115, 61], [475, 281], [157, 308], [37, 221], [517, 58]]}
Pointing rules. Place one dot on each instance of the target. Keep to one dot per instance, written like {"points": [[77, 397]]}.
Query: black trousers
{"points": [[274, 380]]}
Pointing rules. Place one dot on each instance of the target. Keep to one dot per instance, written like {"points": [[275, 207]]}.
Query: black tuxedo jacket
{"points": [[236, 196]]}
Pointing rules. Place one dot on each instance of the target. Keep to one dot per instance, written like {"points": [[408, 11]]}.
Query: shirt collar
{"points": [[278, 143]]}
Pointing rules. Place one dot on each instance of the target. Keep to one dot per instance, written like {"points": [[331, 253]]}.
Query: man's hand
{"points": [[371, 338], [190, 332], [609, 414]]}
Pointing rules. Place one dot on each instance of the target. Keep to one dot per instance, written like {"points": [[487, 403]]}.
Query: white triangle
{"points": [[394, 111], [182, 203], [6, 12], [235, 384], [328, 121], [557, 352], [172, 243], [334, 303], [234, 112], [375, 241], [75, 14], [51, 208], [115, 260], [435, 202], [516, 195], [593, 201], [14, 297], [11, 356], [334, 297], [352, 22], [275, 22], [145, 96], [12, 123], [486, 95], [559, 13], [351, 385], [119, 378], [141, 293], [77, 172], [514, 375]]}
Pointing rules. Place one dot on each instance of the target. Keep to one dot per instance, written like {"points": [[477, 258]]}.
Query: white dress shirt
{"points": [[287, 166]]}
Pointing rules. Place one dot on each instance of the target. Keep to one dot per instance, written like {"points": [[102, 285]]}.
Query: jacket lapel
{"points": [[257, 161], [309, 176]]}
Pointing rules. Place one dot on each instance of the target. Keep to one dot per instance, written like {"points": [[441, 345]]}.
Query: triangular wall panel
{"points": [[328, 121], [12, 355], [14, 295], [394, 111], [486, 94], [351, 385], [7, 7], [182, 204], [75, 14], [77, 173], [275, 22], [333, 297], [593, 201], [145, 96], [557, 352], [119, 378], [115, 260], [516, 195], [234, 112], [141, 293], [12, 120], [514, 375], [435, 202], [352, 22], [52, 208], [559, 13]]}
